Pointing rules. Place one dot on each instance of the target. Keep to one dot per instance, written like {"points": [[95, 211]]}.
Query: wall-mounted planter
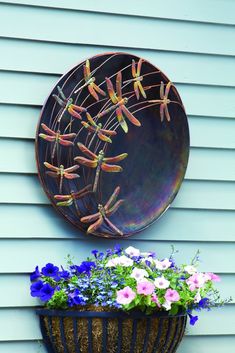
{"points": [[110, 332], [112, 144]]}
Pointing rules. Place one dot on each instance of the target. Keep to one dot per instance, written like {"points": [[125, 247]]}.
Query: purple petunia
{"points": [[193, 319], [46, 292], [35, 289], [86, 267], [50, 270], [35, 275]]}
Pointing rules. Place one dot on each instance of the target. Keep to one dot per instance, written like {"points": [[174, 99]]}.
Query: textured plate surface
{"points": [[157, 144]]}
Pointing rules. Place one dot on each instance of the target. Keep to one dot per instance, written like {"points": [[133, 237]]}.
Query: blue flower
{"points": [[50, 270], [35, 289], [46, 292], [203, 304], [95, 253], [117, 249], [86, 267], [64, 274], [76, 298], [35, 275], [193, 319]]}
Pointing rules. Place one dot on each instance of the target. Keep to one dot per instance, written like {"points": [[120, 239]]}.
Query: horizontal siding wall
{"points": [[193, 43]]}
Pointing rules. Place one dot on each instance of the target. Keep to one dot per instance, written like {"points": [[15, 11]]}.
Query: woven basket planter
{"points": [[110, 332]]}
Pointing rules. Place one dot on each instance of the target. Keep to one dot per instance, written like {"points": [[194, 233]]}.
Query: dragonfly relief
{"points": [[90, 82], [68, 200], [96, 129], [61, 172], [100, 162], [67, 105], [119, 104], [164, 101], [56, 137], [138, 88], [103, 214]]}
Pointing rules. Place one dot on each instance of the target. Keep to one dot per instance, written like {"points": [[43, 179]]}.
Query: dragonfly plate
{"points": [[112, 145]]}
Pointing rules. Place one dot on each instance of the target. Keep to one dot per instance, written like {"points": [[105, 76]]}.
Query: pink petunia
{"points": [[214, 277], [161, 283], [172, 295], [163, 265], [145, 287], [197, 280], [155, 300], [125, 296]]}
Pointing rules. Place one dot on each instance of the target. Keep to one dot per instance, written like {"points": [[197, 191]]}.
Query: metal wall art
{"points": [[112, 145]]}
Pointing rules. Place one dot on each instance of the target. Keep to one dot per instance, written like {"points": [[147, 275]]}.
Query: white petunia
{"points": [[161, 283], [167, 305], [131, 251], [163, 265], [139, 274], [190, 269]]}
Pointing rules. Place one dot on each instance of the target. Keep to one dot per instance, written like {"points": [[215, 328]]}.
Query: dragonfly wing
{"points": [[71, 176], [115, 159], [86, 162], [90, 218], [50, 166], [112, 198], [52, 174], [92, 91], [61, 93], [113, 227], [86, 151], [121, 120], [104, 137], [88, 127], [68, 136], [111, 168], [47, 137], [65, 142], [133, 69], [111, 92], [115, 207], [168, 87], [141, 89], [119, 84], [136, 89], [90, 119], [108, 132], [74, 113], [59, 100], [139, 65], [71, 169], [162, 106], [168, 118], [96, 225], [62, 197], [99, 90], [65, 203], [48, 130], [162, 90], [130, 116], [78, 108]]}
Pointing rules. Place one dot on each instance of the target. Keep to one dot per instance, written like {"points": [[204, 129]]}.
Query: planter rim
{"points": [[105, 314]]}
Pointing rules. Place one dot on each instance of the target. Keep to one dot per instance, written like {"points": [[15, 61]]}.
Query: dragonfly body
{"points": [[56, 137], [61, 172], [164, 101], [67, 105], [138, 88], [68, 200], [100, 162], [90, 83], [103, 214], [119, 104], [96, 129]]}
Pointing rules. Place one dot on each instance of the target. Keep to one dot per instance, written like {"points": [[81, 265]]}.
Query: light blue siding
{"points": [[193, 43]]}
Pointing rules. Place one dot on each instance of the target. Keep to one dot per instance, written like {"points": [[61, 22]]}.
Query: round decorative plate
{"points": [[112, 144]]}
